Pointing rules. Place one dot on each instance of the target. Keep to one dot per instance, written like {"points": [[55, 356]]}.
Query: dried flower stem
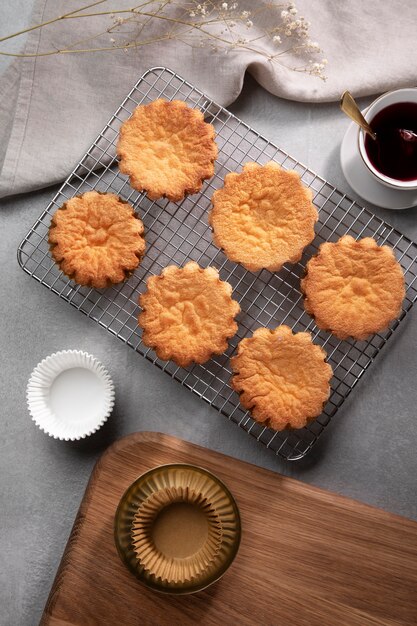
{"points": [[55, 19], [195, 22], [173, 20]]}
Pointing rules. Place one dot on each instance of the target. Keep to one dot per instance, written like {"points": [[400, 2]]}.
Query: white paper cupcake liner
{"points": [[70, 395]]}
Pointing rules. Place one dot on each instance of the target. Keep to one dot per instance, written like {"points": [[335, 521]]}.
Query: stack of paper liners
{"points": [[171, 566]]}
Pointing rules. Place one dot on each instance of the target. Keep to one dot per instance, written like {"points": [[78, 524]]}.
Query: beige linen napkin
{"points": [[52, 108]]}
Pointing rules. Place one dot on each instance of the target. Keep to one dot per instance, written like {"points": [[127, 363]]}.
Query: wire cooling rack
{"points": [[176, 233]]}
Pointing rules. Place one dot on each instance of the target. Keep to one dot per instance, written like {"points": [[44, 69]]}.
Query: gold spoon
{"points": [[402, 135], [349, 106]]}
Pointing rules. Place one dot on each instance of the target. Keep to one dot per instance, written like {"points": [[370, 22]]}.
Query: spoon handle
{"points": [[349, 106]]}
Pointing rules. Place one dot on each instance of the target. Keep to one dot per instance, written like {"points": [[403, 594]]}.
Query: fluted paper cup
{"points": [[179, 563], [70, 395], [177, 528]]}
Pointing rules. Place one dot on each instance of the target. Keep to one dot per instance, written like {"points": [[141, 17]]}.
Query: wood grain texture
{"points": [[307, 557]]}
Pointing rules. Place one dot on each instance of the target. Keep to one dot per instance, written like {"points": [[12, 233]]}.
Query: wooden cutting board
{"points": [[307, 557]]}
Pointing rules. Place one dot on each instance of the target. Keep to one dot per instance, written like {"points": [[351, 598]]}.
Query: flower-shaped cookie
{"points": [[282, 378], [353, 288], [263, 217], [96, 239], [167, 149], [188, 314]]}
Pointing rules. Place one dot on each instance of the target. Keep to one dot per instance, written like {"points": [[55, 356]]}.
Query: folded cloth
{"points": [[52, 107]]}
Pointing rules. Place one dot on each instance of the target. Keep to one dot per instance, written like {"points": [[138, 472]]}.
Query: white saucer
{"points": [[361, 180]]}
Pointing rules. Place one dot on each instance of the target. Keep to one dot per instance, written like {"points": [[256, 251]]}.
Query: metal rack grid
{"points": [[176, 233]]}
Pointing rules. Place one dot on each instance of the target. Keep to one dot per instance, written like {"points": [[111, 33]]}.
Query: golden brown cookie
{"points": [[263, 217], [96, 239], [188, 314], [167, 149], [353, 288], [282, 378]]}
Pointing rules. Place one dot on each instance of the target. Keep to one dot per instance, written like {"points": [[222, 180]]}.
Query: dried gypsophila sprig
{"points": [[223, 26]]}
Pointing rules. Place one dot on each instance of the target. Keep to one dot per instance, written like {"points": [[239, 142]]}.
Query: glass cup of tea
{"points": [[392, 156]]}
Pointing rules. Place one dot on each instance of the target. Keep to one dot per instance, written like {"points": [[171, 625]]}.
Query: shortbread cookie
{"points": [[167, 149], [263, 217], [353, 288], [282, 378], [188, 314], [96, 239]]}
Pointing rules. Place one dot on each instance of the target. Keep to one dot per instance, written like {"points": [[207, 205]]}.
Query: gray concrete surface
{"points": [[368, 451]]}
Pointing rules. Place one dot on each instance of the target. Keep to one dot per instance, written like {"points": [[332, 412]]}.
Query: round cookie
{"points": [[188, 314], [353, 288], [167, 149], [263, 217], [282, 378], [96, 239]]}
